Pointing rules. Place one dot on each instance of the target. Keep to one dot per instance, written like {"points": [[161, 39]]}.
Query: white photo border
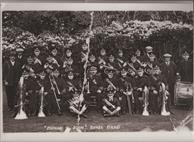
{"points": [[96, 136]]}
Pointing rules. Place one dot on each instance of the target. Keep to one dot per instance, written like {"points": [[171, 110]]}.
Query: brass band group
{"points": [[46, 81]]}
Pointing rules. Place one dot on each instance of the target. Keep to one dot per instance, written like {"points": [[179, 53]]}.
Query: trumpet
{"points": [[164, 112], [146, 103], [21, 113]]}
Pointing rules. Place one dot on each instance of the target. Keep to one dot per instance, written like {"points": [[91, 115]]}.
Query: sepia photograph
{"points": [[97, 71]]}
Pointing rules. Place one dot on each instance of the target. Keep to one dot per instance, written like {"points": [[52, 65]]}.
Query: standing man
{"points": [[169, 70], [20, 57], [149, 51], [11, 74], [185, 68]]}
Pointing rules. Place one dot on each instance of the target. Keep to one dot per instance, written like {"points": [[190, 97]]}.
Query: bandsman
{"points": [[94, 87], [169, 70], [111, 104], [56, 57], [141, 81], [126, 88], [185, 68], [156, 79], [31, 86], [76, 106]]}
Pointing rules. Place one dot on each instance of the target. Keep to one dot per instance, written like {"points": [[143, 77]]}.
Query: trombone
{"points": [[55, 95]]}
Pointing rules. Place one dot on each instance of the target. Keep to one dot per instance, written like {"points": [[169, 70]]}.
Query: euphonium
{"points": [[146, 103], [164, 99], [21, 114], [41, 113]]}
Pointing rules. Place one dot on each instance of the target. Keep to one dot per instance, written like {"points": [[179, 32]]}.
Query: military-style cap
{"points": [[30, 58], [124, 70], [12, 53], [110, 88], [156, 67], [185, 53], [148, 49], [140, 69], [93, 68], [167, 55], [36, 48], [70, 73]]}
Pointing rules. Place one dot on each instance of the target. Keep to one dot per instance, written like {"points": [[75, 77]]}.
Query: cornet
{"points": [[21, 113], [146, 103]]}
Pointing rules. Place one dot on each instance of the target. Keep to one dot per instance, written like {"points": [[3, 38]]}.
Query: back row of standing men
{"points": [[110, 76]]}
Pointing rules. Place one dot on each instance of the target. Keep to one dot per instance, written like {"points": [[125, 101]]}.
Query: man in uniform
{"points": [[149, 51], [93, 87], [102, 61], [11, 75], [169, 70], [75, 106], [38, 60], [111, 105], [111, 64], [20, 56], [56, 57], [141, 81], [126, 84], [156, 79], [113, 80], [53, 91], [121, 60], [32, 87], [185, 68]]}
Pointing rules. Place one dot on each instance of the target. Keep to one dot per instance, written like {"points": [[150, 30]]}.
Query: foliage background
{"points": [[166, 31]]}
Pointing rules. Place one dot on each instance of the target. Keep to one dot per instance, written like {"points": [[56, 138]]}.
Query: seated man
{"points": [[111, 105], [76, 106]]}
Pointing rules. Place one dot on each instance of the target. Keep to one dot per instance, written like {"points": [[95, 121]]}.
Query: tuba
{"points": [[164, 99], [146, 103], [21, 113]]}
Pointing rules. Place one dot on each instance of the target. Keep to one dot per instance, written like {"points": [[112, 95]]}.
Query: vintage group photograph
{"points": [[97, 71]]}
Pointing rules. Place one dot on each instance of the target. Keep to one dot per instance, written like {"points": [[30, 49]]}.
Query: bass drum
{"points": [[183, 93]]}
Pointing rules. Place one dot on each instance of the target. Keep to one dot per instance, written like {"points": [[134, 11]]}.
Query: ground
{"points": [[95, 122]]}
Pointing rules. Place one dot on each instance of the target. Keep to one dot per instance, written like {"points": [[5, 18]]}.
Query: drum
{"points": [[183, 93]]}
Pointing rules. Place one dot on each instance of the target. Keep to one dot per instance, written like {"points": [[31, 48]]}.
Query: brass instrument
{"points": [[41, 113], [55, 95], [88, 87], [146, 103], [55, 83], [21, 113], [164, 112]]}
